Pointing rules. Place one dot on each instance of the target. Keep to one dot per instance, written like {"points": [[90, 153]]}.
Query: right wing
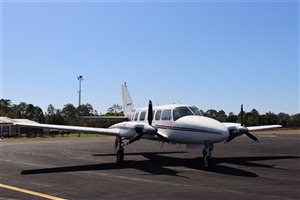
{"points": [[232, 126], [257, 128], [103, 131], [236, 130]]}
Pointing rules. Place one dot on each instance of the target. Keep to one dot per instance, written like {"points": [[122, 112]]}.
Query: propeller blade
{"points": [[150, 113], [138, 137], [162, 138], [146, 128], [231, 138], [252, 137], [242, 115]]}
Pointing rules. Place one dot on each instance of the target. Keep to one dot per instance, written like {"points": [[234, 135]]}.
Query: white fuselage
{"points": [[179, 123]]}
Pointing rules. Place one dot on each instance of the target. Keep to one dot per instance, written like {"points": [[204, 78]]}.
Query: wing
{"points": [[256, 128], [232, 126], [103, 131], [236, 130]]}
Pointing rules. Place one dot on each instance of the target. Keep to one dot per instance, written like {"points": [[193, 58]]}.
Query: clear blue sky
{"points": [[212, 55]]}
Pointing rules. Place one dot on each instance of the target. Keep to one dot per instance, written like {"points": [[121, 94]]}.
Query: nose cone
{"points": [[208, 129]]}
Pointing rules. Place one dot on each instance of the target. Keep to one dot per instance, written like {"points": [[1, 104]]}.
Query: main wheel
{"points": [[120, 155]]}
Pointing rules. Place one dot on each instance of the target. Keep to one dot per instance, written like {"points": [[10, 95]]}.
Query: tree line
{"points": [[253, 118], [69, 114]]}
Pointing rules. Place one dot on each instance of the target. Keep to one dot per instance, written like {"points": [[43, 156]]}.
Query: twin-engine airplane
{"points": [[174, 123]]}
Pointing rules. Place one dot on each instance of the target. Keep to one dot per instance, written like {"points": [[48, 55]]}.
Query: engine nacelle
{"points": [[128, 129]]}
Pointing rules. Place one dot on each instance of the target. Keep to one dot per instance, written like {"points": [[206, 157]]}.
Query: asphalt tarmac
{"points": [[86, 169]]}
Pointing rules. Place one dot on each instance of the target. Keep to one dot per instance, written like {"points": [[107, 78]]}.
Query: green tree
{"points": [[211, 113], [38, 115], [86, 110], [221, 116], [252, 118], [115, 110], [294, 121], [54, 116], [5, 105], [268, 119], [283, 119], [69, 112], [232, 117]]}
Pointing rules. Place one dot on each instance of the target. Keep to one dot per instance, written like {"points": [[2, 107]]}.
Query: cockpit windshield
{"points": [[196, 110], [182, 111]]}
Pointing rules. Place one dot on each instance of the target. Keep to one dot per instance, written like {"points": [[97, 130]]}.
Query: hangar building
{"points": [[8, 127]]}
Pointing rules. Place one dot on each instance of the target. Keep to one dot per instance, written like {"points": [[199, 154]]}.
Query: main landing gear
{"points": [[207, 153], [119, 149]]}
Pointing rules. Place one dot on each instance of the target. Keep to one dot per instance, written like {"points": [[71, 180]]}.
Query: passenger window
{"points": [[142, 116], [157, 115], [136, 116], [166, 115]]}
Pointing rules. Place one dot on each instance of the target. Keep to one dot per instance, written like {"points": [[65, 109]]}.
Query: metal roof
{"points": [[7, 120]]}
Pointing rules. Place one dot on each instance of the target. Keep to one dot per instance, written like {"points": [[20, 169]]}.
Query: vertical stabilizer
{"points": [[127, 101]]}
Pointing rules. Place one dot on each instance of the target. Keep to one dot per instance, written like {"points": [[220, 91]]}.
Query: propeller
{"points": [[146, 128], [242, 115], [240, 130], [150, 113]]}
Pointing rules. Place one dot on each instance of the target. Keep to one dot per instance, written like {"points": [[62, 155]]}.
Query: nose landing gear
{"points": [[207, 155]]}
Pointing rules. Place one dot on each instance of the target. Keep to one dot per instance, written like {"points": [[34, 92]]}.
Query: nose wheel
{"points": [[119, 149], [207, 155]]}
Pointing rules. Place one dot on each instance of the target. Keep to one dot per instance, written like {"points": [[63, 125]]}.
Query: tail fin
{"points": [[127, 102]]}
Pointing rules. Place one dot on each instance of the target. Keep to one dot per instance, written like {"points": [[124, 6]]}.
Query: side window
{"points": [[136, 116], [157, 115], [142, 116], [166, 115]]}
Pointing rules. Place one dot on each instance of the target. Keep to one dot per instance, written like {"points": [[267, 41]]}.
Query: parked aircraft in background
{"points": [[174, 123]]}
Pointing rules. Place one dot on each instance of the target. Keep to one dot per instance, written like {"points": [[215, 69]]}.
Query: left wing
{"points": [[103, 131]]}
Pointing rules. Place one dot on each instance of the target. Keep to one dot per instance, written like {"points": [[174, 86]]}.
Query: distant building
{"points": [[9, 129]]}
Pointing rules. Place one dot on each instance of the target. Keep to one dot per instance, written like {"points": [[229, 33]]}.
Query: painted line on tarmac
{"points": [[46, 196]]}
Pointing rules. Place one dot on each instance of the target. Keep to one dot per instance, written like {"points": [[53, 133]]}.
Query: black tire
{"points": [[207, 163], [120, 155], [204, 152]]}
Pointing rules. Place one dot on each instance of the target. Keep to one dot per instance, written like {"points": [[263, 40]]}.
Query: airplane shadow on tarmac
{"points": [[157, 164]]}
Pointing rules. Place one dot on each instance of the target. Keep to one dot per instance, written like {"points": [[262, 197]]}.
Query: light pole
{"points": [[80, 78]]}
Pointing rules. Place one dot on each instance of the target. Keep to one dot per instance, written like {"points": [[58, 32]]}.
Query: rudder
{"points": [[127, 102]]}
